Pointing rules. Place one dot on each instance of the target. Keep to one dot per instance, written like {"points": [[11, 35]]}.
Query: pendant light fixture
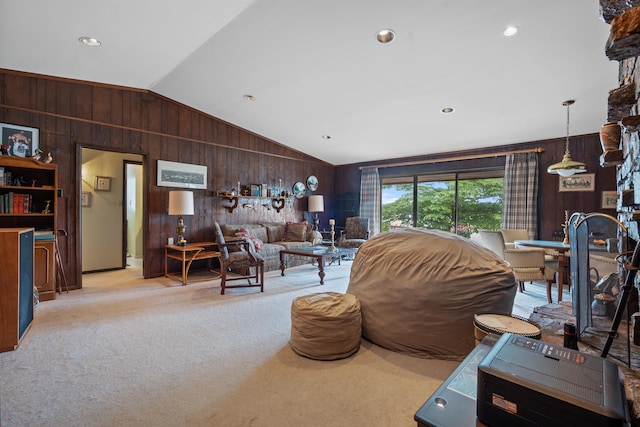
{"points": [[567, 166]]}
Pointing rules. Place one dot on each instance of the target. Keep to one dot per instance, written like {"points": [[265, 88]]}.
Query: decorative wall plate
{"points": [[312, 183], [299, 190]]}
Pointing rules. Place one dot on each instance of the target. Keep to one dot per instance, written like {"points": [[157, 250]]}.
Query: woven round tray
{"points": [[491, 323]]}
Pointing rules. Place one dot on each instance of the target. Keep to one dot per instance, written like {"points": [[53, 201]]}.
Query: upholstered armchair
{"points": [[238, 255], [510, 235], [355, 233], [528, 264]]}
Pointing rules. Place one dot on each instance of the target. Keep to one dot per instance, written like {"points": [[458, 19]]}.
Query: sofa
{"points": [[269, 239]]}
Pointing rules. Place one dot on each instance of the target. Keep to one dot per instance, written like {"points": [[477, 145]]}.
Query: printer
{"points": [[526, 382]]}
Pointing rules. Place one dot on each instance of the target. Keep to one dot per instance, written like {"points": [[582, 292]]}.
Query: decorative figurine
{"points": [[37, 154], [48, 159], [46, 208], [565, 228]]}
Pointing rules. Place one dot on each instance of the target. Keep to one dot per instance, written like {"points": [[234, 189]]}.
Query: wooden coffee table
{"points": [[320, 255]]}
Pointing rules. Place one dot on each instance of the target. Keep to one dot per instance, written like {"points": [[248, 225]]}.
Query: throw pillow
{"points": [[257, 243], [296, 233], [289, 224]]}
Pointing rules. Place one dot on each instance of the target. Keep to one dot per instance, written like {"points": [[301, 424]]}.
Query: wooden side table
{"points": [[186, 255]]}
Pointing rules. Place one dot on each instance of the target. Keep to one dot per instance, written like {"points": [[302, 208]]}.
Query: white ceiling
{"points": [[315, 67]]}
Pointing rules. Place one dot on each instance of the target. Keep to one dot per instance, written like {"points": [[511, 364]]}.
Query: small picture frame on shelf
{"points": [[102, 183], [19, 141], [86, 199]]}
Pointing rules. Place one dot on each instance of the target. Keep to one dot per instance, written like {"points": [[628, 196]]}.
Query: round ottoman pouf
{"points": [[325, 325], [420, 289]]}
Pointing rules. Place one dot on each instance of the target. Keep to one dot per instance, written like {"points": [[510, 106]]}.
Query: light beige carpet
{"points": [[124, 351]]}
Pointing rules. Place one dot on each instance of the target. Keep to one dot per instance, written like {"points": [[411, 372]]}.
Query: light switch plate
{"points": [[170, 241]]}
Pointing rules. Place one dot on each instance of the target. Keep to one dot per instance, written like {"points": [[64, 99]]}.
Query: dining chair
{"points": [[528, 264]]}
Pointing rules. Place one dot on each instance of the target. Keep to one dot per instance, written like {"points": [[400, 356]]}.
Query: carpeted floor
{"points": [[131, 352]]}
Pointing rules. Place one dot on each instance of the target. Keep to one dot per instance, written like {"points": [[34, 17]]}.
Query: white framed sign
{"points": [[182, 175]]}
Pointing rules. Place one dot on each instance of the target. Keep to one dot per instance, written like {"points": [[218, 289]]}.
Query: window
{"points": [[461, 202]]}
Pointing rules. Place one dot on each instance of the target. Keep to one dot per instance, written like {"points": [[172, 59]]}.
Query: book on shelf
{"points": [[43, 235]]}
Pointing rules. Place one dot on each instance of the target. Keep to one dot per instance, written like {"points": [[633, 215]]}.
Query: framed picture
{"points": [[581, 182], [86, 200], [609, 200], [19, 141], [102, 183], [183, 175]]}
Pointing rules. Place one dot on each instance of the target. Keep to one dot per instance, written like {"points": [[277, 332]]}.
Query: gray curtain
{"points": [[370, 198], [520, 204]]}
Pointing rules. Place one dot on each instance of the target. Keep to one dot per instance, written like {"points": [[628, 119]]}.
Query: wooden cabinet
{"points": [[44, 278], [16, 285], [28, 198]]}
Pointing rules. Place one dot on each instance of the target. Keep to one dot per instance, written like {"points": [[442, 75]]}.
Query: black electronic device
{"points": [[526, 382]]}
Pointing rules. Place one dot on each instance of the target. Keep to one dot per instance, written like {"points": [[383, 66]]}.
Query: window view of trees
{"points": [[459, 203]]}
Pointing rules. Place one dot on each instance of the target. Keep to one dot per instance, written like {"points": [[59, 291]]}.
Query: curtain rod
{"points": [[452, 158]]}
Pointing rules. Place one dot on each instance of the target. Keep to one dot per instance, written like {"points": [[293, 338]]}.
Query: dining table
{"points": [[563, 256]]}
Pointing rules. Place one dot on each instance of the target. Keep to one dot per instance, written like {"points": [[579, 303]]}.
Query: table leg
{"points": [[166, 261], [560, 279], [321, 269], [184, 268], [282, 264]]}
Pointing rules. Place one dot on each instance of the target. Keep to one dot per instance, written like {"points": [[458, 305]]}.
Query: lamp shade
{"points": [[316, 204], [567, 167], [180, 202]]}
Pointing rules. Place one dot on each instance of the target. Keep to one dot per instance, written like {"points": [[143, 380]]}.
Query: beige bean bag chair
{"points": [[419, 290], [326, 325]]}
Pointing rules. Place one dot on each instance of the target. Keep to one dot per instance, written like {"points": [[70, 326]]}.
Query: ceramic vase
{"points": [[610, 136]]}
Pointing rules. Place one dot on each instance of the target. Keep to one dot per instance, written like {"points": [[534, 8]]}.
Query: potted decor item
{"points": [[610, 136]]}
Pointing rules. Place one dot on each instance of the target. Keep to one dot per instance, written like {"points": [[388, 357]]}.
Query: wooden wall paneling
{"points": [[63, 96], [15, 91], [101, 104], [3, 90], [135, 110], [151, 113], [81, 99], [72, 115], [116, 107], [42, 98]]}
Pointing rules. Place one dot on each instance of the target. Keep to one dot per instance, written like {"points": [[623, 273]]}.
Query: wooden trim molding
{"points": [[455, 158]]}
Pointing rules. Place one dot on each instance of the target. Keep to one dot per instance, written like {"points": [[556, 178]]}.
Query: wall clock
{"points": [[312, 183], [299, 190]]}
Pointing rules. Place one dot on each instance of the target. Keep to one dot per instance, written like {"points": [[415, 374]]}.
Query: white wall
{"points": [[102, 222]]}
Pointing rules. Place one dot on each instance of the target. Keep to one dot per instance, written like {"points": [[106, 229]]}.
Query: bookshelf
{"points": [[28, 198]]}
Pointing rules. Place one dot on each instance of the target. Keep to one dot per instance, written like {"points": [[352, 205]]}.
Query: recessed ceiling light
{"points": [[90, 41], [249, 98], [510, 31], [385, 36], [326, 136], [447, 110]]}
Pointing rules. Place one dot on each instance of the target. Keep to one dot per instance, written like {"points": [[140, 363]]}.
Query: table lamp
{"points": [[181, 203], [316, 204]]}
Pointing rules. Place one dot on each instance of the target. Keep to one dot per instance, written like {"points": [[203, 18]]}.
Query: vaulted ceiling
{"points": [[315, 69]]}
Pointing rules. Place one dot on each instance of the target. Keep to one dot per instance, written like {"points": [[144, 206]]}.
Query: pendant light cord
{"points": [[568, 104]]}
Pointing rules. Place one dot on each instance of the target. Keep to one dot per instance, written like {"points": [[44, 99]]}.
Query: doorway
{"points": [[133, 211], [112, 210]]}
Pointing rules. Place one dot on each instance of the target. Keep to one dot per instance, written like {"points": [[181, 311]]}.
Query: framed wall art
{"points": [[581, 182], [609, 200], [19, 141], [86, 199], [183, 175], [102, 183]]}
